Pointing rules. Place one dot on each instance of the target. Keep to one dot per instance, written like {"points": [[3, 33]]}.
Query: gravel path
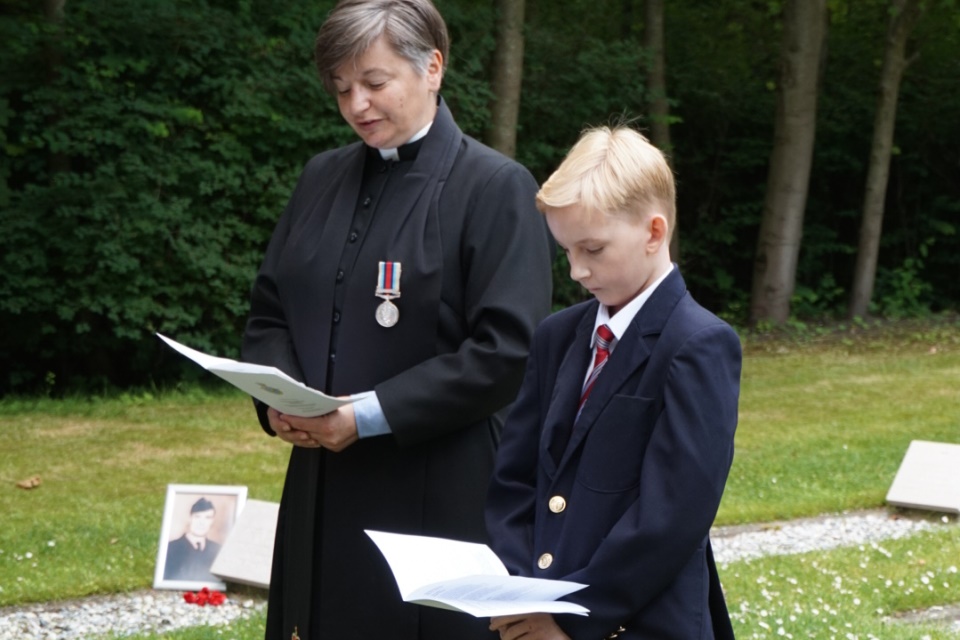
{"points": [[810, 534], [126, 614], [123, 614]]}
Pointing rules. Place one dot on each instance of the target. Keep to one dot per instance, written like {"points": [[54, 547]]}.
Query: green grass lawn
{"points": [[825, 421], [853, 593], [93, 524], [824, 424]]}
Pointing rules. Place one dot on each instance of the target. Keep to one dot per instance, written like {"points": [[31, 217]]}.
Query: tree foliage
{"points": [[184, 125], [147, 148]]}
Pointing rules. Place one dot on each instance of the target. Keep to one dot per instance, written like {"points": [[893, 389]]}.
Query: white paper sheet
{"points": [[267, 384], [468, 577]]}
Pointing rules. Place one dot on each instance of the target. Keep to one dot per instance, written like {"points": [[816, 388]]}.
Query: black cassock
{"points": [[475, 281]]}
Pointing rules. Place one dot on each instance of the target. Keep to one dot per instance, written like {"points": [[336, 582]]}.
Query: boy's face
{"points": [[614, 257]]}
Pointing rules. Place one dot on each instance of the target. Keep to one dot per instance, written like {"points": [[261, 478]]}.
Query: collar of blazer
{"points": [[627, 360]]}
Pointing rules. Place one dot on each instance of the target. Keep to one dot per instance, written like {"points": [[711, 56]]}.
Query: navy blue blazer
{"points": [[626, 506]]}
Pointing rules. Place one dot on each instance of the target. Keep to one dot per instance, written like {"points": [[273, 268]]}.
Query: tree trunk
{"points": [[657, 104], [781, 229], [507, 77], [903, 17]]}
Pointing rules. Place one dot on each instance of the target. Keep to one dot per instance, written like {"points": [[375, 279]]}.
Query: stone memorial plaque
{"points": [[247, 554], [928, 478]]}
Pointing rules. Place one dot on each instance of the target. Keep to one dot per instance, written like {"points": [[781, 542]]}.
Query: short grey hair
{"points": [[413, 29]]}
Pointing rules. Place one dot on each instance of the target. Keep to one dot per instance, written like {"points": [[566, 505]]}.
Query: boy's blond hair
{"points": [[612, 170]]}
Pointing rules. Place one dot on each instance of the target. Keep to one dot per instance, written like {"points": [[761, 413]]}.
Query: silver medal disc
{"points": [[387, 314]]}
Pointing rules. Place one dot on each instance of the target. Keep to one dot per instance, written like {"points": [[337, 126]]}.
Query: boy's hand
{"points": [[528, 626]]}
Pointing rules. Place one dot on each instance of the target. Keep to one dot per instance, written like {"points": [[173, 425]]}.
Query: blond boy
{"points": [[615, 456]]}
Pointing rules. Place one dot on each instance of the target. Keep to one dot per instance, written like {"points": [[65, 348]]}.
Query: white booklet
{"points": [[267, 384], [467, 577]]}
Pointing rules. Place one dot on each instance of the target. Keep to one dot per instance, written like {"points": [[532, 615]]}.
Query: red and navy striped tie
{"points": [[605, 339]]}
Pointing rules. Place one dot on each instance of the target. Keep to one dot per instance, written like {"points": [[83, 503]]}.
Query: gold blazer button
{"points": [[557, 504], [545, 561]]}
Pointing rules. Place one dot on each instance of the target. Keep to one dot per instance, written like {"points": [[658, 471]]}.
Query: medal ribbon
{"points": [[388, 281]]}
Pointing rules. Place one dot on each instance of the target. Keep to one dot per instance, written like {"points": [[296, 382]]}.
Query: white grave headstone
{"points": [[928, 478], [247, 554]]}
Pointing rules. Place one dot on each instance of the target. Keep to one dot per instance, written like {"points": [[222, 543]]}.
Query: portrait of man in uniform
{"points": [[197, 520]]}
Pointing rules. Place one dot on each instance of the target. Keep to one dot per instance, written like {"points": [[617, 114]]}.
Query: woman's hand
{"points": [[335, 431], [529, 626]]}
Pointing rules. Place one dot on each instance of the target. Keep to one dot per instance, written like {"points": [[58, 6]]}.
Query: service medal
{"points": [[387, 314], [388, 288]]}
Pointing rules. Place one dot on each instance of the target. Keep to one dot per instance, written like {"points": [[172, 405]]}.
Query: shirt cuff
{"points": [[369, 415]]}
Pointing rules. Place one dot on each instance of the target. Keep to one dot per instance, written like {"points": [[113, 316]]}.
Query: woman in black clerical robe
{"points": [[408, 269]]}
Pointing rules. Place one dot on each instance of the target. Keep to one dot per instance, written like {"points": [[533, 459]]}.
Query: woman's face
{"points": [[383, 97]]}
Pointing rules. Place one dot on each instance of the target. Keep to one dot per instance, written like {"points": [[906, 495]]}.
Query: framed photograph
{"points": [[197, 519]]}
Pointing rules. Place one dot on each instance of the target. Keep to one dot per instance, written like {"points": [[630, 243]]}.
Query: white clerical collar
{"points": [[393, 154], [621, 320]]}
